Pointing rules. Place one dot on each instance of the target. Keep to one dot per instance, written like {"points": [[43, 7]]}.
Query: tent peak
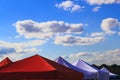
{"points": [[36, 55], [60, 57], [79, 60], [6, 58], [5, 61], [110, 73], [103, 68]]}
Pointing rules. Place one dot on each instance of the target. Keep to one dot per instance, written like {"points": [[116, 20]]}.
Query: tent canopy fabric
{"points": [[87, 74], [96, 73], [103, 75], [85, 66], [5, 61], [38, 68], [62, 61], [106, 70]]}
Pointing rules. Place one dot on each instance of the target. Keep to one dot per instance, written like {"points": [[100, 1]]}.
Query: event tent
{"points": [[85, 66], [5, 61], [87, 74], [38, 68], [103, 75], [110, 74], [96, 73]]}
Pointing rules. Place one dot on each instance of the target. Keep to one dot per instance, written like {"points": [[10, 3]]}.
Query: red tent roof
{"points": [[5, 62], [37, 67]]}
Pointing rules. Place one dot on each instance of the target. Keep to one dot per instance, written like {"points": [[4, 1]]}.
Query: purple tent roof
{"points": [[98, 74], [106, 70], [87, 74], [85, 66]]}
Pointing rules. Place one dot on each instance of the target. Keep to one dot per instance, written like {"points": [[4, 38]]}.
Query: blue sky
{"points": [[73, 29]]}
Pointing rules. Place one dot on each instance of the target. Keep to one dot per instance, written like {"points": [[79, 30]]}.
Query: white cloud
{"points": [[76, 8], [12, 56], [69, 40], [15, 56], [69, 6], [16, 51], [32, 29], [105, 57], [86, 56], [100, 2], [118, 33], [66, 5], [108, 24], [96, 9], [108, 57], [23, 47], [98, 34]]}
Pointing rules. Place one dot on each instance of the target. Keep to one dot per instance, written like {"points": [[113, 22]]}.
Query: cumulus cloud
{"points": [[97, 34], [66, 5], [16, 51], [105, 57], [86, 56], [69, 6], [118, 33], [23, 47], [108, 24], [32, 29], [12, 56], [108, 57], [63, 33], [96, 9], [15, 56], [69, 40], [100, 2]]}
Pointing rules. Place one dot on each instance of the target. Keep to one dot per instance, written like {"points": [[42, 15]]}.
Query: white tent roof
{"points": [[87, 74], [98, 74], [85, 66], [106, 70]]}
